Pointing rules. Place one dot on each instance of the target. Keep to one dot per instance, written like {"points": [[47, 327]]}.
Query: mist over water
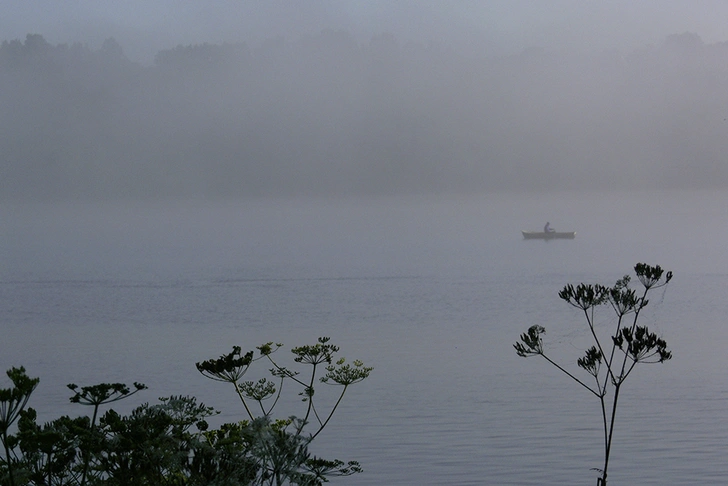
{"points": [[369, 236]]}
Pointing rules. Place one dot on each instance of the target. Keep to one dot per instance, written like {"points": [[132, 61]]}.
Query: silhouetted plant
{"points": [[12, 402], [609, 361], [170, 443], [153, 444], [95, 396], [282, 445], [51, 451]]}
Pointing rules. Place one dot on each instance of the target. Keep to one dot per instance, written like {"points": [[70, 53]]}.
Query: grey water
{"points": [[432, 292]]}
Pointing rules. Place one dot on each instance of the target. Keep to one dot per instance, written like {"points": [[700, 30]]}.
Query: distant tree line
{"points": [[326, 114]]}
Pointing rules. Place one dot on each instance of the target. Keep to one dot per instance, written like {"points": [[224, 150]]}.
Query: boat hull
{"points": [[554, 235]]}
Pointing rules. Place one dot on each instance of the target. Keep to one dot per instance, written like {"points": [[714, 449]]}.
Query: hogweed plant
{"points": [[12, 403], [284, 437], [171, 443], [612, 359], [97, 395]]}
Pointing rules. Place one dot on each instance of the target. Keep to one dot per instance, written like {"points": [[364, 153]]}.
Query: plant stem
{"points": [[570, 375], [242, 399], [86, 458], [331, 414], [7, 457], [310, 400], [611, 433]]}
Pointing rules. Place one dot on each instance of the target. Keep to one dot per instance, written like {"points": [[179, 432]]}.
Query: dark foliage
{"points": [[169, 443]]}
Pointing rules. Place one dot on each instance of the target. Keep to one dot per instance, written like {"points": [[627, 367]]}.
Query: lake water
{"points": [[431, 292]]}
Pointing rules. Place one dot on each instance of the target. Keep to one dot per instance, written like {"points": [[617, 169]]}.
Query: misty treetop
{"points": [[326, 114]]}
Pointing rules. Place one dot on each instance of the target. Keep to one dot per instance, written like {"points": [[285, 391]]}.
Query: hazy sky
{"points": [[144, 27]]}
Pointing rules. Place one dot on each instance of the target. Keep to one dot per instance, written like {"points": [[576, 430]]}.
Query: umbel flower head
{"points": [[531, 343], [228, 367]]}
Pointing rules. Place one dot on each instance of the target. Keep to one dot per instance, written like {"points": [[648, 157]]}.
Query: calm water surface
{"points": [[432, 293]]}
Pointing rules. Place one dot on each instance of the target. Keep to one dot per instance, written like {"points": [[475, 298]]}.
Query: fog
{"points": [[103, 100], [177, 176]]}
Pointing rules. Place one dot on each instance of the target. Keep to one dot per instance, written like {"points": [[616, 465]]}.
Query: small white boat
{"points": [[553, 235]]}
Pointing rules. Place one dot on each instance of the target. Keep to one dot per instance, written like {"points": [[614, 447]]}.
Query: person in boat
{"points": [[547, 228]]}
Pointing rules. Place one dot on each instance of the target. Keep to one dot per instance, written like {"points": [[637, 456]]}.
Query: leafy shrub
{"points": [[170, 443]]}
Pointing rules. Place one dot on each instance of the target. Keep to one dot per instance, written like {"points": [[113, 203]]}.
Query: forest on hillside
{"points": [[326, 115]]}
